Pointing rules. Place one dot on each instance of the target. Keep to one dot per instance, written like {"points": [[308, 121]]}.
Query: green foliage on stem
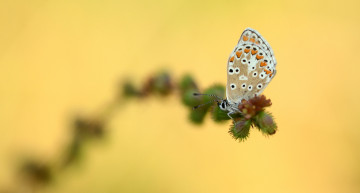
{"points": [[251, 113]]}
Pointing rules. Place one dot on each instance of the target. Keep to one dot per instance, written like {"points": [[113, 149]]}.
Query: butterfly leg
{"points": [[229, 113]]}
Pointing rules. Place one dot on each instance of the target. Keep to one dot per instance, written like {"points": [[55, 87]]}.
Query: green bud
{"points": [[197, 116], [217, 90], [219, 115], [129, 90], [189, 99], [186, 83], [37, 171], [265, 123], [162, 83], [240, 129]]}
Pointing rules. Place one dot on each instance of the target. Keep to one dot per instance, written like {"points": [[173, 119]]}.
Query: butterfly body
{"points": [[250, 68]]}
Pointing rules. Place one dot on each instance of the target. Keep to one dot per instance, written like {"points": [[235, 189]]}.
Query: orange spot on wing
{"points": [[247, 50], [262, 64], [238, 54], [232, 59], [245, 38], [271, 75], [267, 71], [259, 57], [257, 42], [253, 52], [252, 40]]}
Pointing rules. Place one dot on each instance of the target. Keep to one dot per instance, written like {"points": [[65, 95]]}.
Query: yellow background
{"points": [[63, 58]]}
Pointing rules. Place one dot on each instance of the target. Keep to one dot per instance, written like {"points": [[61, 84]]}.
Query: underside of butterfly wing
{"points": [[251, 66]]}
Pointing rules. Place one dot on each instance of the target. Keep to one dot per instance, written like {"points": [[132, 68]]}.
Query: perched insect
{"points": [[250, 68]]}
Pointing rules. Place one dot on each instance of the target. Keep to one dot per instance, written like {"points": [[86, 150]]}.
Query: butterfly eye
{"points": [[237, 70], [259, 86], [223, 105], [231, 70], [250, 87], [254, 74], [232, 86], [243, 85]]}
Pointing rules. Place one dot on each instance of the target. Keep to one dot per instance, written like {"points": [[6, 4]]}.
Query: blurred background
{"points": [[59, 59]]}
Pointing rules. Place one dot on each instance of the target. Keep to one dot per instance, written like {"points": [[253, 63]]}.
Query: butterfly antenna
{"points": [[197, 106], [210, 95]]}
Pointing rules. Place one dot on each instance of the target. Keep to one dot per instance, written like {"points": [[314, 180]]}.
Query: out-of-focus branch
{"points": [[36, 173]]}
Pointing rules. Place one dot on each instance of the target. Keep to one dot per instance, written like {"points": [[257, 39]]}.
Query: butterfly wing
{"points": [[251, 66]]}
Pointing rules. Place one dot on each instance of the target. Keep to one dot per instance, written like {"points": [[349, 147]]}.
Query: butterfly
{"points": [[250, 68]]}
